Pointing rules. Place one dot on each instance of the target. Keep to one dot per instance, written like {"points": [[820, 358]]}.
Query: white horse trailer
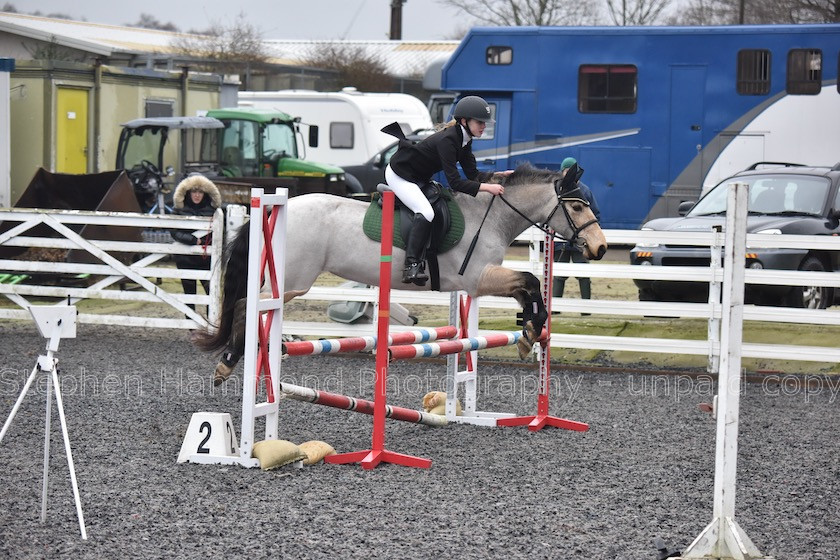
{"points": [[344, 126]]}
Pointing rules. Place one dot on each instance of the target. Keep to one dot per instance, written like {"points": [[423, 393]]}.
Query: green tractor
{"points": [[235, 148], [260, 147]]}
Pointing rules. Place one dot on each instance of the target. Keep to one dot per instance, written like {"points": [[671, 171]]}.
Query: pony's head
{"points": [[565, 210]]}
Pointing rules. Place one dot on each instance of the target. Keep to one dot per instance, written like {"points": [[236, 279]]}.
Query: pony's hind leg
{"points": [[525, 288], [236, 345], [235, 348]]}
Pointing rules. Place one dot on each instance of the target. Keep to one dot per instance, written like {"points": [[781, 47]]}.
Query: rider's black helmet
{"points": [[473, 107]]}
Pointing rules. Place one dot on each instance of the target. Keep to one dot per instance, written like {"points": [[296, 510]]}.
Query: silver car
{"points": [[785, 199]]}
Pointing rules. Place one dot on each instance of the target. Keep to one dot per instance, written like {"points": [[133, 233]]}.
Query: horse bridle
{"points": [[561, 203], [562, 199]]}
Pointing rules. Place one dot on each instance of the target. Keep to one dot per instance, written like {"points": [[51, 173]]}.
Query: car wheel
{"points": [[810, 297]]}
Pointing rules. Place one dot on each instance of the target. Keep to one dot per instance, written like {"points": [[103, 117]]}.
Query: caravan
{"points": [[344, 126]]}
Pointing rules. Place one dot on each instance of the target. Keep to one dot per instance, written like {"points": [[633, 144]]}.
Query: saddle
{"points": [[447, 227]]}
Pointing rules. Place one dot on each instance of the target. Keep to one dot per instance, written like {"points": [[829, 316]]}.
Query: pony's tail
{"points": [[234, 288]]}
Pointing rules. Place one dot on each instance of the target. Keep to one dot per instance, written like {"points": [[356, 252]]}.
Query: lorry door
{"points": [[492, 150], [71, 129], [620, 180], [685, 163]]}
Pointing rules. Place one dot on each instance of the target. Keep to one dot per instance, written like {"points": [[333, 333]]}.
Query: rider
{"points": [[415, 164]]}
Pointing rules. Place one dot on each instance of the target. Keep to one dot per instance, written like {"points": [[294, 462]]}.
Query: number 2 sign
{"points": [[209, 434]]}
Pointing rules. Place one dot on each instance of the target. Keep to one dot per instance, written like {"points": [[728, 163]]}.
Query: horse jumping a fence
{"points": [[324, 233], [264, 324]]}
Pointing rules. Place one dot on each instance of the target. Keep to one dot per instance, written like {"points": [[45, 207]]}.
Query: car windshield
{"points": [[770, 194]]}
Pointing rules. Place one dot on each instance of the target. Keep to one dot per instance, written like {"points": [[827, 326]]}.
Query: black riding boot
{"points": [[415, 248]]}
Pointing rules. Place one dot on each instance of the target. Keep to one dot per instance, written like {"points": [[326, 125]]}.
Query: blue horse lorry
{"points": [[655, 115]]}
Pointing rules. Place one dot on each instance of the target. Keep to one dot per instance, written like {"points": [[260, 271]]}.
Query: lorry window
{"points": [[607, 88], [753, 72], [499, 55], [341, 135], [804, 71]]}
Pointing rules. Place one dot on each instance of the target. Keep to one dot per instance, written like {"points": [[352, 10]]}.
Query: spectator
{"points": [[568, 252], [195, 196]]}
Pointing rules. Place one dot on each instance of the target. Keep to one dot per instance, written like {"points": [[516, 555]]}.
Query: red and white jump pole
{"points": [[264, 320], [307, 394], [377, 454], [431, 349], [365, 343]]}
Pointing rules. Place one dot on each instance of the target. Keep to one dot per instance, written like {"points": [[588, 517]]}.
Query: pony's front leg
{"points": [[525, 288]]}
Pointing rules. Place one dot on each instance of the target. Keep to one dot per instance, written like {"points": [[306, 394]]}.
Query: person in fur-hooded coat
{"points": [[195, 196]]}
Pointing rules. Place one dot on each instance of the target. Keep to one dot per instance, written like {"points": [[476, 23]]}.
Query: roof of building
{"points": [[97, 38], [401, 58]]}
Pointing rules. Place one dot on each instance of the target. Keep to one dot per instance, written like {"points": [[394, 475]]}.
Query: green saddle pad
{"points": [[372, 225]]}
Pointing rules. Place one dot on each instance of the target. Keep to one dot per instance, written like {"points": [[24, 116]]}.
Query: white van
{"points": [[344, 126]]}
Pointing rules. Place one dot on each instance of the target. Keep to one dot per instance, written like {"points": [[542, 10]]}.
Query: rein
{"points": [[475, 239], [561, 203]]}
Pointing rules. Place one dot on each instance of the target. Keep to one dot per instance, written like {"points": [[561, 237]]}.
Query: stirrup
{"points": [[413, 274]]}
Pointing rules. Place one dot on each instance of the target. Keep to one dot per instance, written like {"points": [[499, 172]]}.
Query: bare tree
{"points": [[53, 51], [731, 12], [148, 21], [527, 12], [822, 11], [224, 49], [636, 12], [353, 66]]}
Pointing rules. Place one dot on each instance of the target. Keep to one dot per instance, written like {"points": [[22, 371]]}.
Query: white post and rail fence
{"points": [[141, 265]]}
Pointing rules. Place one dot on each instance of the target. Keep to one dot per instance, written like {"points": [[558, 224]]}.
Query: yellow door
{"points": [[71, 131]]}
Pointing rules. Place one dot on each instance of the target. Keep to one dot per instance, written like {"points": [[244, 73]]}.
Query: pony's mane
{"points": [[526, 173]]}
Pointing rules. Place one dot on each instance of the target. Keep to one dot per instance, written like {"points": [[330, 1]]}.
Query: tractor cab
{"points": [[148, 159]]}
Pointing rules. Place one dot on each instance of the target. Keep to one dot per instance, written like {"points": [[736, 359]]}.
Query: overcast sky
{"points": [[276, 19]]}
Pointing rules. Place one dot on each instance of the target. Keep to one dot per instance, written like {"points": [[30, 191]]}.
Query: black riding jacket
{"points": [[440, 151]]}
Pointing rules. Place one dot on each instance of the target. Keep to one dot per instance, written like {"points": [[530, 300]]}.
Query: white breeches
{"points": [[409, 194]]}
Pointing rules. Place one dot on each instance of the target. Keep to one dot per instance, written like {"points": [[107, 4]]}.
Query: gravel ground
{"points": [[644, 469]]}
